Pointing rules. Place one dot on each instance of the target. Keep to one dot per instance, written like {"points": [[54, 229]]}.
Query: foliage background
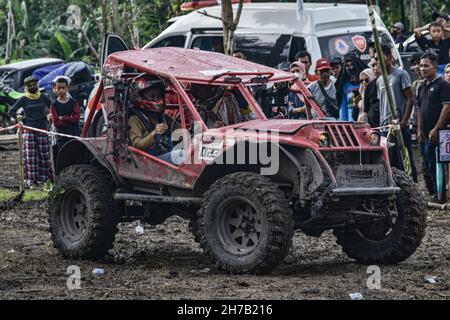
{"points": [[41, 24]]}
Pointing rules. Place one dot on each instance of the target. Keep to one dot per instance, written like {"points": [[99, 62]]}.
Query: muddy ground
{"points": [[166, 263]]}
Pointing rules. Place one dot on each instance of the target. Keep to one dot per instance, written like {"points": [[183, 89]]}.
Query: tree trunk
{"points": [[416, 14], [230, 24], [134, 21], [10, 34], [104, 30]]}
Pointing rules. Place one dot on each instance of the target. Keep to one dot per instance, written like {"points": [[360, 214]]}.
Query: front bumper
{"points": [[345, 192]]}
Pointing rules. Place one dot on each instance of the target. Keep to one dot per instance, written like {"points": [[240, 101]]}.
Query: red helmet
{"points": [[149, 94]]}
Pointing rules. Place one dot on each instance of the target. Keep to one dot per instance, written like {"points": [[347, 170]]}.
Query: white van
{"points": [[270, 33]]}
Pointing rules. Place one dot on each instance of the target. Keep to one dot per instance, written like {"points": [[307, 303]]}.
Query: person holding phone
{"points": [[365, 78]]}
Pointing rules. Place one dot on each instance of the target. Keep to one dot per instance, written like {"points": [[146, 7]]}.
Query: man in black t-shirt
{"points": [[35, 107], [433, 111]]}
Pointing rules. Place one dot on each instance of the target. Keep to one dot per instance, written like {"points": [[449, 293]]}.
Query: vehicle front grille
{"points": [[342, 135]]}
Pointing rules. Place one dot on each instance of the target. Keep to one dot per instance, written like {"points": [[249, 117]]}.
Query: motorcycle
{"points": [[8, 97]]}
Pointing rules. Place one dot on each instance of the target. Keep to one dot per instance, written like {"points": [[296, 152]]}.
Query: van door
{"points": [[112, 43]]}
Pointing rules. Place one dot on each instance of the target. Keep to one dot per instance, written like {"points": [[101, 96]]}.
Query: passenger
{"points": [[149, 129], [219, 108]]}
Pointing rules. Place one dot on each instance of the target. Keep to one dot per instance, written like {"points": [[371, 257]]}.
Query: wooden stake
{"points": [[21, 170]]}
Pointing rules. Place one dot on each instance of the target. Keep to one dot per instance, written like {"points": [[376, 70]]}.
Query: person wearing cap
{"points": [[336, 65], [324, 90], [399, 34], [35, 107], [65, 112]]}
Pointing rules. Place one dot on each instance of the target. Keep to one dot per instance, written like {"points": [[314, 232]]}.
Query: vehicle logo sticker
{"points": [[209, 152], [341, 46], [360, 43]]}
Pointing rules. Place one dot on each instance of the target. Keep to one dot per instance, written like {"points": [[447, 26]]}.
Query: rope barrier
{"points": [[8, 128], [50, 133]]}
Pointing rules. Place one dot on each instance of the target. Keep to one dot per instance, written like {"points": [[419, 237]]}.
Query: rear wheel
{"points": [[245, 224], [397, 237], [82, 212]]}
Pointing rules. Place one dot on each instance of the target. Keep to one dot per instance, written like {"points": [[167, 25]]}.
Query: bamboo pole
{"points": [[387, 84], [21, 170]]}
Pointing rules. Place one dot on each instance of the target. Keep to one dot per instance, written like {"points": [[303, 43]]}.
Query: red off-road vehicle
{"points": [[245, 186]]}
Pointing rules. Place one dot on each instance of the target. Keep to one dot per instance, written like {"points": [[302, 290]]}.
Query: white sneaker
{"points": [[27, 184]]}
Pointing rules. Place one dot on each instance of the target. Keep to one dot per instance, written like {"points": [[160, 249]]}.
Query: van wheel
{"points": [[245, 224], [82, 213]]}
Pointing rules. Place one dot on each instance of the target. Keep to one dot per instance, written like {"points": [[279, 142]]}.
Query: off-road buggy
{"points": [[245, 187]]}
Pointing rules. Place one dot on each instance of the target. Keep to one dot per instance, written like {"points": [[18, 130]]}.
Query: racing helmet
{"points": [[149, 94], [207, 95]]}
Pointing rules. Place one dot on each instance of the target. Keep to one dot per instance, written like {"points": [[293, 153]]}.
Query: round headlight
{"points": [[375, 139], [324, 140]]}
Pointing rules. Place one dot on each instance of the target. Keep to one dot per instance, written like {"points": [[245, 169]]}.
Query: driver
{"points": [[149, 129]]}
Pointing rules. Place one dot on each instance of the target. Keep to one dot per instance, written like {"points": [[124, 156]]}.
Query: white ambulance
{"points": [[271, 33]]}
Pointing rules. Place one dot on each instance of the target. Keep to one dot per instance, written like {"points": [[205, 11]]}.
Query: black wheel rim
{"points": [[74, 217], [381, 231], [239, 225]]}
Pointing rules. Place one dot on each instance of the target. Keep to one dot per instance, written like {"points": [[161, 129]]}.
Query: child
{"points": [[65, 112], [35, 106], [437, 45]]}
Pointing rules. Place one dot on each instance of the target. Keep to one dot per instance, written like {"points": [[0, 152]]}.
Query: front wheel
{"points": [[82, 213], [395, 239], [245, 224]]}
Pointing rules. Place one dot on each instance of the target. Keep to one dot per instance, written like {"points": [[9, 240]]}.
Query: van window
{"points": [[358, 43], [175, 41], [267, 49]]}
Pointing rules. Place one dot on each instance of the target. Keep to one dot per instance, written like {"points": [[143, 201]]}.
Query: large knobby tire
{"points": [[245, 224], [82, 213], [404, 236]]}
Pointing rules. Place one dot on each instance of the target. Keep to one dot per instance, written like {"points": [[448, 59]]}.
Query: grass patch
{"points": [[6, 195], [30, 195], [35, 195]]}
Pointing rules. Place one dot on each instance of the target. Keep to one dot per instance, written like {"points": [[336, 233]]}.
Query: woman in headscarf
{"points": [[447, 72], [365, 78], [348, 85], [36, 108]]}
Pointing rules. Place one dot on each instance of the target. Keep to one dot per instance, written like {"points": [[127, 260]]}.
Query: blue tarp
{"points": [[42, 72], [47, 81], [76, 71]]}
